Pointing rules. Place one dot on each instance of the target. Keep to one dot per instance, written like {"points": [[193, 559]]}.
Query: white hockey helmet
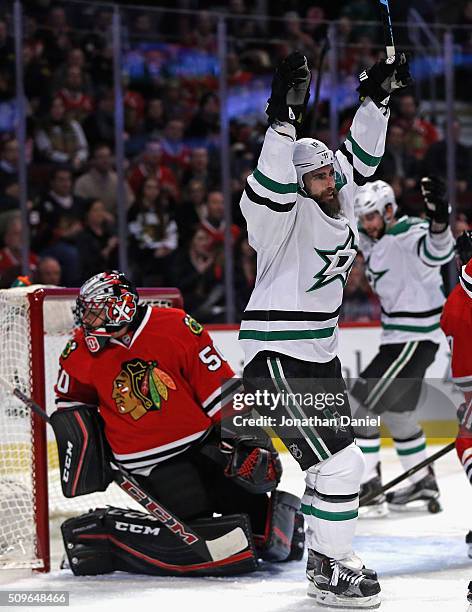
{"points": [[310, 154], [374, 197]]}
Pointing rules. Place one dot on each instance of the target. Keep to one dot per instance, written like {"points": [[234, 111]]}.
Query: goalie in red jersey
{"points": [[456, 323], [148, 387]]}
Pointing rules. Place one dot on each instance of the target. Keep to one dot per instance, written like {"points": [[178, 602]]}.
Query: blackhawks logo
{"points": [[195, 327], [140, 387], [70, 346], [338, 263]]}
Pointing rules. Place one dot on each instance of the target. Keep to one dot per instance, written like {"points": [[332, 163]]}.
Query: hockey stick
{"points": [[410, 472], [387, 27], [209, 550]]}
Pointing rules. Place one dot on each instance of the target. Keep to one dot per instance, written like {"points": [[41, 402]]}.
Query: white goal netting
{"points": [[20, 493]]}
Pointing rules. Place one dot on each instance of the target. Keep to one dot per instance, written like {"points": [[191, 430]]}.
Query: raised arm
{"points": [[361, 152], [269, 199]]}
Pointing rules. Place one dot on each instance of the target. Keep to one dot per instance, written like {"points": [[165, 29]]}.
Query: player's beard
{"points": [[329, 203]]}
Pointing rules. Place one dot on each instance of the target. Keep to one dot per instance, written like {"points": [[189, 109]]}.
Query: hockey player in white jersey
{"points": [[299, 208], [403, 264]]}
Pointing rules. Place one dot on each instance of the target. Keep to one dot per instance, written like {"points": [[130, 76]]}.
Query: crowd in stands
{"points": [[173, 193]]}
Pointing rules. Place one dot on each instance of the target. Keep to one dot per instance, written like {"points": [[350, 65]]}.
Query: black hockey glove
{"points": [[385, 77], [290, 90], [434, 195], [464, 247]]}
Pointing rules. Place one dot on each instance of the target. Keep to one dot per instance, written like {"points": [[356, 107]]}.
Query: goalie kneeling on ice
{"points": [[231, 479]]}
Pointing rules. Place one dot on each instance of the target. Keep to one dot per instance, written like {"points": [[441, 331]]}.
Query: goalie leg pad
{"points": [[284, 534], [82, 449], [114, 539]]}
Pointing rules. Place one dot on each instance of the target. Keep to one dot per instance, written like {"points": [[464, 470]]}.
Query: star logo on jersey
{"points": [[141, 387], [372, 276], [338, 263]]}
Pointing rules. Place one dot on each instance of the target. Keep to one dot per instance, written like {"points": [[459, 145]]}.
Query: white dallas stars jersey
{"points": [[304, 256], [404, 269]]}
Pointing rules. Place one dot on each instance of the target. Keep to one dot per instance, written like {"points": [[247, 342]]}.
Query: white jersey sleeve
{"points": [[269, 199], [433, 250], [360, 154]]}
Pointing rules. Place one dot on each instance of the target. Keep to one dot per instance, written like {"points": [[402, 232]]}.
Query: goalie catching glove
{"points": [[383, 78], [290, 90]]}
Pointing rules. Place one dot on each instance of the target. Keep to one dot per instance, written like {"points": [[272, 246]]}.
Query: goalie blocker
{"points": [[193, 485]]}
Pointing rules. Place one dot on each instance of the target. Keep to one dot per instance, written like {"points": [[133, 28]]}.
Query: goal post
{"points": [[35, 323]]}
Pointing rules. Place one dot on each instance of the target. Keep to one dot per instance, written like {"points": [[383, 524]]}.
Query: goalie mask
{"points": [[374, 197], [107, 303]]}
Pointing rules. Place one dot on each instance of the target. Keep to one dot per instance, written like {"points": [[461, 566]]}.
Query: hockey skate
{"points": [[468, 541], [417, 496], [354, 562], [469, 597], [333, 584], [376, 507]]}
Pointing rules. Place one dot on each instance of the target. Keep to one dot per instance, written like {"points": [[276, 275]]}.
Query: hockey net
{"points": [[35, 324]]}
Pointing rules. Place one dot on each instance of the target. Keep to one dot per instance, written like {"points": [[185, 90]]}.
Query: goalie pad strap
{"points": [[281, 540], [82, 450], [114, 539]]}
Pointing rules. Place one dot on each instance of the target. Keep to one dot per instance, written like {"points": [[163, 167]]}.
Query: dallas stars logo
{"points": [[372, 276], [338, 263]]}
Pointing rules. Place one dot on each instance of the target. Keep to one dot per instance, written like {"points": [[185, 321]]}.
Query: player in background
{"points": [[456, 323], [299, 208], [152, 379], [403, 264]]}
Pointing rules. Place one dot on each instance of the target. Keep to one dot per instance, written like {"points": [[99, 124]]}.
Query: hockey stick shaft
{"points": [[209, 550], [419, 466], [387, 27]]}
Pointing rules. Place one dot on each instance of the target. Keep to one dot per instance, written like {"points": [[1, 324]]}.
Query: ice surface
{"points": [[421, 560]]}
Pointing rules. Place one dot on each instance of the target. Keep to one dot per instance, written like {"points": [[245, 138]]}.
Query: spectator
{"points": [[150, 165], [154, 234], [155, 119], [77, 103], [99, 127], [203, 35], [48, 272], [213, 223], [55, 37], [61, 141], [245, 273], [175, 153], [396, 161], [296, 38], [191, 211], [56, 221], [96, 243], [419, 133], [135, 136], [205, 125], [461, 224], [10, 254], [7, 44], [435, 161], [199, 278], [8, 108], [9, 190], [237, 77], [101, 181], [75, 59], [199, 169]]}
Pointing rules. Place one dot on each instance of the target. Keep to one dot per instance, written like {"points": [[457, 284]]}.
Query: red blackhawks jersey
{"points": [[456, 323], [158, 394]]}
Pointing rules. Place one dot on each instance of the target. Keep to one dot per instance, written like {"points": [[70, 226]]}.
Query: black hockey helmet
{"points": [[107, 302], [464, 246]]}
